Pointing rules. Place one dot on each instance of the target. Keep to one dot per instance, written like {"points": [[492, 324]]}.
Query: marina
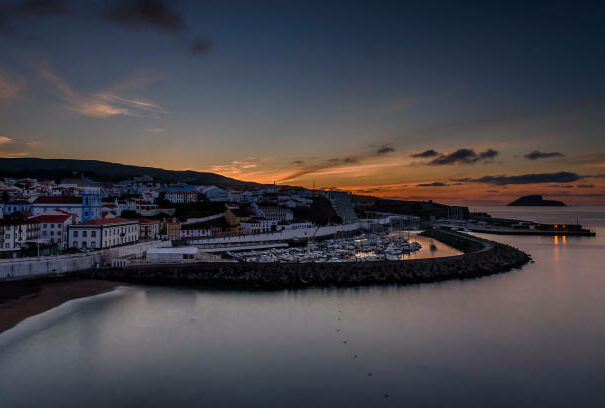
{"points": [[362, 248]]}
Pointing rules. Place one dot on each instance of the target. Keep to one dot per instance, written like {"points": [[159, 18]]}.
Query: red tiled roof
{"points": [[58, 200], [51, 218], [148, 221], [108, 221]]}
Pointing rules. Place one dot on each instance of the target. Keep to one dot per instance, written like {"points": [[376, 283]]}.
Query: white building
{"points": [[150, 229], [294, 225], [103, 233], [215, 194], [274, 212], [181, 195], [178, 254], [53, 227], [258, 225]]}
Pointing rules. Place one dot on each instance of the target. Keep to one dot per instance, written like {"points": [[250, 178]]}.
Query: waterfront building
{"points": [[172, 228], [53, 227], [150, 229], [294, 225], [257, 225], [209, 228], [16, 231], [177, 254], [103, 233]]}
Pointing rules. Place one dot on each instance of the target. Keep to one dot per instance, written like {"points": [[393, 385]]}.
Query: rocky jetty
{"points": [[480, 258]]}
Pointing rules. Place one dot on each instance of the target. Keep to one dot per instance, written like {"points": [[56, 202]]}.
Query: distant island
{"points": [[535, 201]]}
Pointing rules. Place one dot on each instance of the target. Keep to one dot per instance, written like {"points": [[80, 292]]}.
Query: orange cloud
{"points": [[101, 104]]}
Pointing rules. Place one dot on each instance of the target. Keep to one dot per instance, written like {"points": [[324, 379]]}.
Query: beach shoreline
{"points": [[25, 298]]}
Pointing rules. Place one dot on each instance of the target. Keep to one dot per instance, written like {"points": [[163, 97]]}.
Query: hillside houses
{"points": [[75, 213]]}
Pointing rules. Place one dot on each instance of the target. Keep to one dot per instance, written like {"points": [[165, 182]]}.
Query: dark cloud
{"points": [[157, 14], [426, 154], [560, 177], [463, 156], [585, 185], [35, 8], [435, 184], [488, 154], [334, 162], [200, 46], [536, 154], [42, 8], [492, 191], [385, 149]]}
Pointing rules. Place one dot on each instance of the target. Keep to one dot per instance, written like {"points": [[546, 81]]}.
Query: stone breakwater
{"points": [[480, 258]]}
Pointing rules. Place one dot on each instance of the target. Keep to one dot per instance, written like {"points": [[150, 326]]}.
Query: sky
{"points": [[460, 102]]}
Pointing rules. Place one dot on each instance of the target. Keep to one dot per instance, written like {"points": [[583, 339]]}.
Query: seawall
{"points": [[36, 267], [481, 258]]}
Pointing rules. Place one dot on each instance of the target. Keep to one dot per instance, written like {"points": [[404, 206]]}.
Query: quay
{"points": [[513, 231]]}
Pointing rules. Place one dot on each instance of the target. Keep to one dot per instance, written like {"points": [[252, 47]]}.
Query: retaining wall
{"points": [[19, 268]]}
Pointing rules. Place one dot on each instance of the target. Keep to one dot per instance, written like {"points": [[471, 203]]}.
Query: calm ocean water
{"points": [[530, 338]]}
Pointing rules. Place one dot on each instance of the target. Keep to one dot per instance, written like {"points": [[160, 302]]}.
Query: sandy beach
{"points": [[22, 299]]}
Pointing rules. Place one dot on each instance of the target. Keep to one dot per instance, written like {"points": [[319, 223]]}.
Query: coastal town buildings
{"points": [[149, 229], [17, 232], [215, 227], [171, 227], [87, 206], [53, 228], [274, 212], [103, 233], [181, 195]]}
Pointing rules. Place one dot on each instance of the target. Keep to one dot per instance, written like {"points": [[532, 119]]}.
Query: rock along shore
{"points": [[481, 258]]}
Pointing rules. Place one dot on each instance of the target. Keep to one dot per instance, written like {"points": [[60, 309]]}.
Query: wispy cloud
{"points": [[10, 148], [596, 159], [313, 168], [10, 87], [101, 105], [237, 167], [155, 130]]}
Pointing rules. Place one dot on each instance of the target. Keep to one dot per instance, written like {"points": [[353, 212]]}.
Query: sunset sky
{"points": [[461, 102]]}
